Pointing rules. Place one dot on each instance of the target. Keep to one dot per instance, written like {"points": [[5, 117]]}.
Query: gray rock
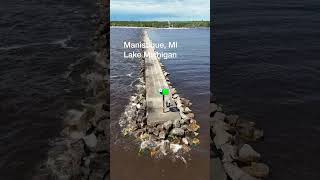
{"points": [[258, 170], [176, 123], [185, 101], [76, 135], [162, 135], [219, 116], [183, 116], [167, 125], [229, 152], [222, 137], [213, 107], [177, 132], [91, 140], [248, 154]]}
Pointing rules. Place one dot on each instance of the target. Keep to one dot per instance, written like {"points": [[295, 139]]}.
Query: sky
{"points": [[159, 10]]}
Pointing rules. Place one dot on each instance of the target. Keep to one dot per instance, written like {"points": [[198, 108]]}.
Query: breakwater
{"points": [[160, 133], [231, 155]]}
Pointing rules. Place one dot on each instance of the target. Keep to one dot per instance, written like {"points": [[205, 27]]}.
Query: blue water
{"points": [[266, 68]]}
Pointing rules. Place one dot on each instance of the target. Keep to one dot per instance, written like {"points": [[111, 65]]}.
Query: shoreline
{"points": [[171, 28]]}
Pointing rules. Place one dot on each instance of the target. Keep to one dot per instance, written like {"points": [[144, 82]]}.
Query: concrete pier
{"points": [[155, 80]]}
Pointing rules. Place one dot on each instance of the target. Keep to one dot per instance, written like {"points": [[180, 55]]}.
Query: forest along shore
{"points": [[82, 151], [231, 155], [159, 133]]}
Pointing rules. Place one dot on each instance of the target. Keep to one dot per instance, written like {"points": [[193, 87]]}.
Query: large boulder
{"points": [[177, 132], [229, 152], [90, 140], [248, 154], [221, 137], [219, 116], [213, 107]]}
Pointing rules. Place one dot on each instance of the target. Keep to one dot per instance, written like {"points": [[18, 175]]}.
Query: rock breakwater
{"points": [[174, 137], [230, 136]]}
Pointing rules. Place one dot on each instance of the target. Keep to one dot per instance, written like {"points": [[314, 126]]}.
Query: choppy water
{"points": [[267, 68], [44, 48], [191, 66]]}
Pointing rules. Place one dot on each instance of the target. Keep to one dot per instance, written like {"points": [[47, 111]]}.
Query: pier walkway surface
{"points": [[156, 80]]}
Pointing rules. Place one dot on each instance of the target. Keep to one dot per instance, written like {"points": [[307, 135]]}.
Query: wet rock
{"points": [[185, 141], [235, 173], [91, 140], [248, 154], [187, 110], [175, 147], [258, 170], [177, 132], [190, 115]]}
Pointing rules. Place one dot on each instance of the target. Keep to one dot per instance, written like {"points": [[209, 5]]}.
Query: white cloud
{"points": [[179, 9]]}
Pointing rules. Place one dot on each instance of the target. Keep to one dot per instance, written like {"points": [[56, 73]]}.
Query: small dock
{"points": [[156, 80]]}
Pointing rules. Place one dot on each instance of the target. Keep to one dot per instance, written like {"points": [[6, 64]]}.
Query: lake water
{"points": [[267, 69], [189, 74]]}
